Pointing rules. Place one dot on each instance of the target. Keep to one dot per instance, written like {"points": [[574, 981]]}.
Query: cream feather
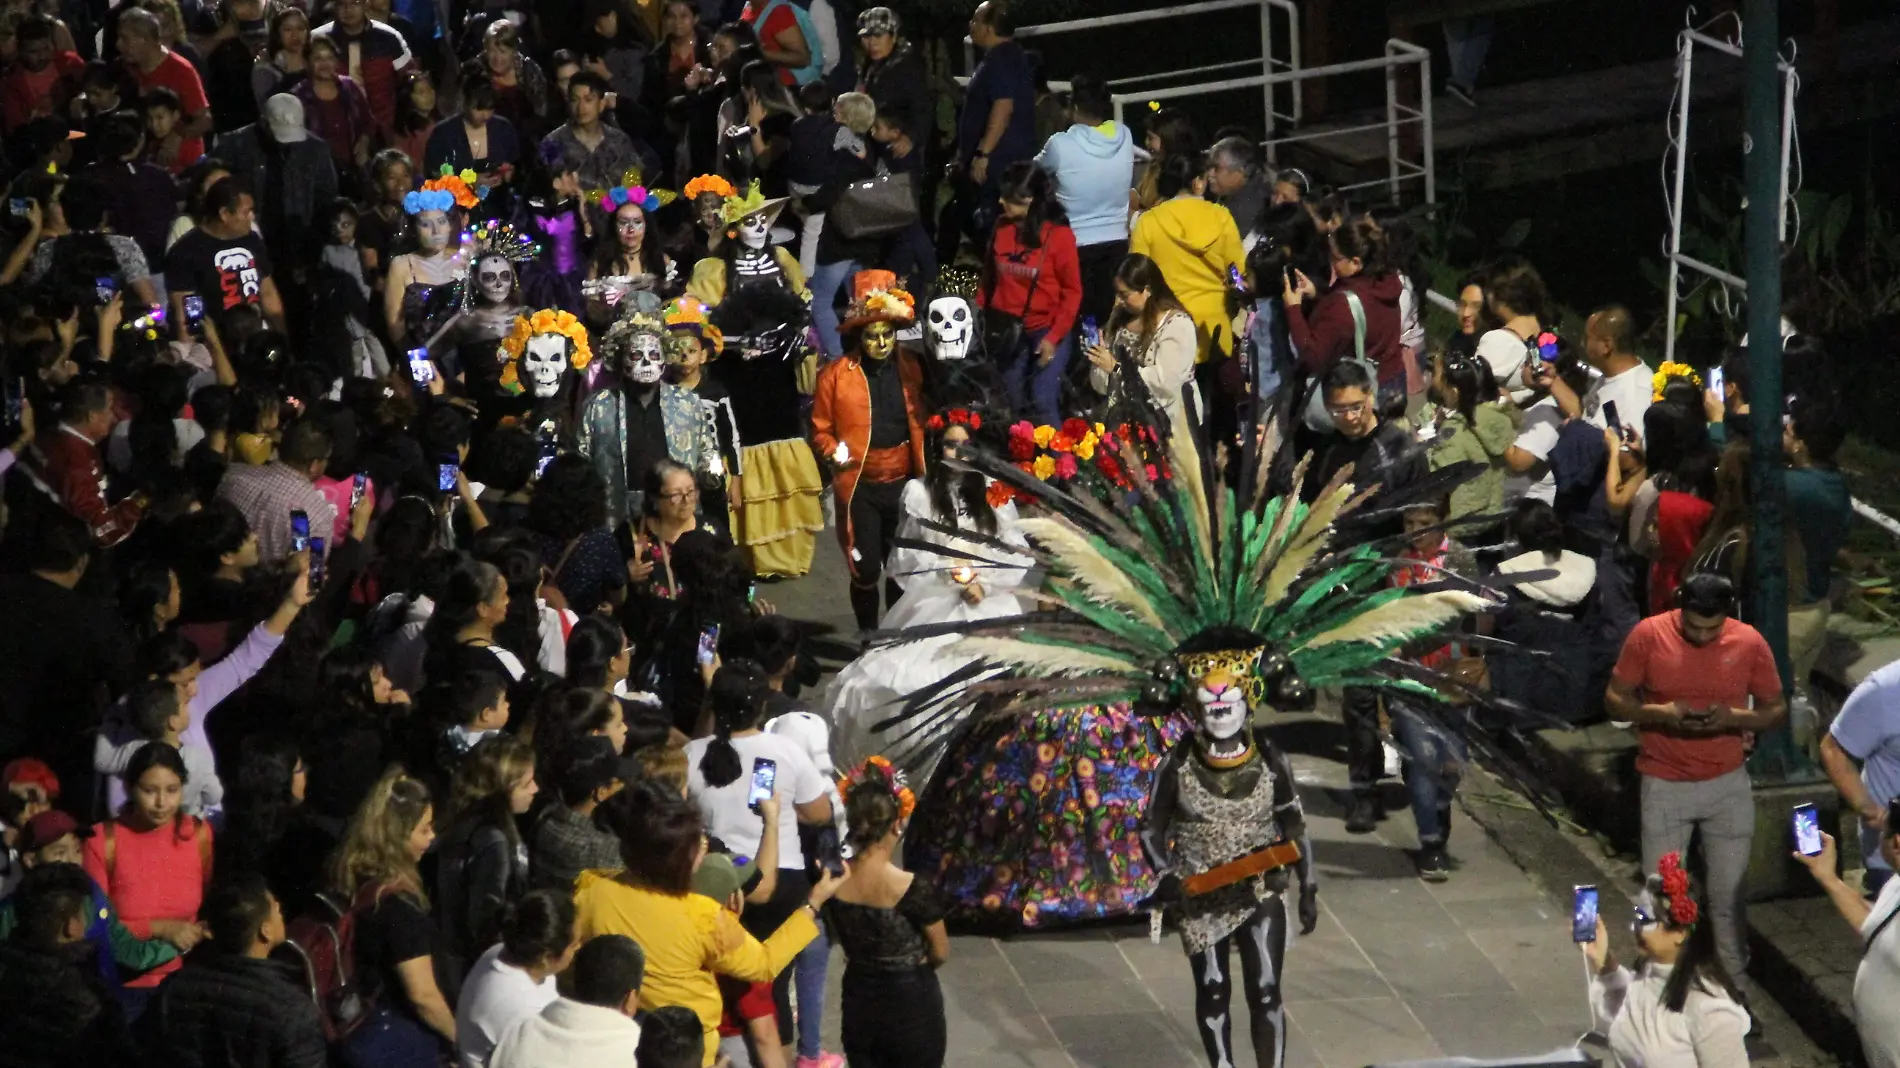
{"points": [[1185, 459], [1099, 578], [1041, 659], [1400, 619], [1308, 542]]}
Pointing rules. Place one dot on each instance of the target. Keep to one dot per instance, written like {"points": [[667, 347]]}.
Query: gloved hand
{"points": [[1167, 892], [1309, 907]]}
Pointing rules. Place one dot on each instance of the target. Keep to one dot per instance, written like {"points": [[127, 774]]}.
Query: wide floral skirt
{"points": [[1034, 820]]}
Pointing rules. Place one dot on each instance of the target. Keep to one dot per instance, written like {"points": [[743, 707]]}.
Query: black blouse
{"points": [[892, 939]]}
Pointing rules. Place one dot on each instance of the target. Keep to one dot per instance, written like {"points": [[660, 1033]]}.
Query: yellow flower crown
{"points": [[1660, 380], [526, 328], [894, 303]]}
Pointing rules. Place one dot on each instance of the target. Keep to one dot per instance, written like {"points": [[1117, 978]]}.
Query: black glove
{"points": [[1309, 907], [1167, 892]]}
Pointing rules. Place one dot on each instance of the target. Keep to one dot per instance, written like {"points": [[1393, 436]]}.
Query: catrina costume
{"points": [[631, 403], [759, 302], [540, 361], [1099, 752], [435, 296]]}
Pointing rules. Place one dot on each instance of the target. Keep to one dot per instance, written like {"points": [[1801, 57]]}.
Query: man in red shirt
{"points": [[153, 65], [64, 465], [1685, 678], [40, 81]]}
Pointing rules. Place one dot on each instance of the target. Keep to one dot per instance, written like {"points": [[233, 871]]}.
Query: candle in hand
{"points": [[964, 575]]}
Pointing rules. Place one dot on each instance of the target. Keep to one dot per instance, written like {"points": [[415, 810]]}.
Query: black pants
{"points": [[1262, 942], [892, 1019], [1365, 756], [875, 512], [968, 213], [1098, 263]]}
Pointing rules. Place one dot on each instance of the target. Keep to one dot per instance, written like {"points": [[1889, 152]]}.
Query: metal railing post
{"points": [[1266, 66], [1426, 143], [1293, 59], [1787, 141], [1683, 69], [1391, 124]]}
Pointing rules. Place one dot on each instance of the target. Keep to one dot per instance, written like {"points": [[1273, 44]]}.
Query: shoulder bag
{"points": [[1316, 417]]}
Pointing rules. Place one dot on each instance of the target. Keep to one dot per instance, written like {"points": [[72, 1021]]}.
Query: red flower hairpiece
{"points": [[1675, 887], [935, 423]]}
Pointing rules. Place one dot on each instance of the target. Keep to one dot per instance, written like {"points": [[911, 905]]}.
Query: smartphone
{"points": [[752, 593], [1583, 914], [105, 288], [316, 563], [1611, 417], [1235, 278], [194, 312], [764, 778], [1091, 333], [20, 207], [357, 487], [1807, 830], [549, 450], [16, 400], [708, 643], [445, 473], [299, 532], [420, 368], [1715, 380]]}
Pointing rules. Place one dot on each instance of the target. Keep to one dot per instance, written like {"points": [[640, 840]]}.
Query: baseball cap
{"points": [[27, 769], [877, 21], [44, 134], [49, 827], [283, 113], [718, 876]]}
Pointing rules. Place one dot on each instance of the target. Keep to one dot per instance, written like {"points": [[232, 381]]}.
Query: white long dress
{"points": [[870, 688]]}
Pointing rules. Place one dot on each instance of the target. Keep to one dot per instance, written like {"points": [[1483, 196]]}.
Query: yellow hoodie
{"points": [[1194, 241]]}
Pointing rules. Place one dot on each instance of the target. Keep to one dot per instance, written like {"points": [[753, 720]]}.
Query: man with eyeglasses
{"points": [[1694, 681], [1385, 455], [1877, 981]]}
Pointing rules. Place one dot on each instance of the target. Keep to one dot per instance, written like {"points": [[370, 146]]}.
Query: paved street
{"points": [[1480, 966]]}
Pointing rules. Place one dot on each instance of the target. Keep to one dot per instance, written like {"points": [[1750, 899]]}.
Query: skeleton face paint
{"points": [[878, 341], [433, 230], [630, 224], [754, 230], [544, 362], [950, 328], [645, 361], [495, 279]]}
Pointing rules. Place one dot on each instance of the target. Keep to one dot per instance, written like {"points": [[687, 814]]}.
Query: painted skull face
{"points": [[495, 279], [645, 361], [630, 225], [754, 230], [1222, 683], [544, 362], [950, 328], [706, 211]]}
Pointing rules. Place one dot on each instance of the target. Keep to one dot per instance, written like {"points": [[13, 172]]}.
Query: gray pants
{"points": [[1723, 810]]}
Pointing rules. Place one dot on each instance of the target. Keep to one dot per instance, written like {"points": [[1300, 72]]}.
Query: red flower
{"points": [[976, 421], [1065, 466], [1152, 473], [1022, 443], [1074, 428], [959, 416], [998, 494], [935, 423], [1675, 886], [1109, 468], [1062, 442]]}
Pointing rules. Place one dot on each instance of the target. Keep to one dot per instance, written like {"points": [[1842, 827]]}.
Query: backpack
{"points": [[814, 44], [324, 943]]}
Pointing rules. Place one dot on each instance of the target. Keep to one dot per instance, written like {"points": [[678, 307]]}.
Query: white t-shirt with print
{"points": [[724, 807], [1538, 437], [1631, 390]]}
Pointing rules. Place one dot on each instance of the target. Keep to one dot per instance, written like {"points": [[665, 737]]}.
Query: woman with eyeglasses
{"points": [[1678, 1007]]}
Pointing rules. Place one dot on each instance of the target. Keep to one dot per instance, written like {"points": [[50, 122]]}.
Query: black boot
{"points": [[1365, 814]]}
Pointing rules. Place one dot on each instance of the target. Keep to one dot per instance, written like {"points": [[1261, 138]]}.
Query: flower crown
{"points": [[497, 238], [1660, 380], [1547, 347], [891, 778], [639, 322], [526, 328], [639, 196], [1675, 886], [446, 191], [1128, 456], [888, 303], [737, 207], [710, 183], [956, 417], [688, 314]]}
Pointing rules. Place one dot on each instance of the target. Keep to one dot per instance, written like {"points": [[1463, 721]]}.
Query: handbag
{"points": [[1003, 332], [1315, 415], [875, 207]]}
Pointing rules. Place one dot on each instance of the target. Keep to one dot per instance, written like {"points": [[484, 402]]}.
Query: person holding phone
{"points": [[267, 494], [1686, 678], [1157, 332], [1877, 981]]}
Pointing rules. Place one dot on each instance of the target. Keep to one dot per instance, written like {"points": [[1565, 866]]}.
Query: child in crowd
{"points": [[345, 292], [157, 712], [163, 147]]}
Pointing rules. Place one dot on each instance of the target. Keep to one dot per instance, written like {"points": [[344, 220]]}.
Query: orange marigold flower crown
{"points": [[710, 183], [878, 773], [528, 327]]}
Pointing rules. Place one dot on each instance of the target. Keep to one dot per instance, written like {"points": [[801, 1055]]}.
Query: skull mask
{"points": [[950, 328], [495, 279], [544, 361], [755, 229], [645, 359]]}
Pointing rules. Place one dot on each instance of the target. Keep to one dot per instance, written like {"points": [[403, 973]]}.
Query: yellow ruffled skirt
{"points": [[781, 512]]}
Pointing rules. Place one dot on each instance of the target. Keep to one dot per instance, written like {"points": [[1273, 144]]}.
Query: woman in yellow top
{"points": [[1194, 241], [688, 939]]}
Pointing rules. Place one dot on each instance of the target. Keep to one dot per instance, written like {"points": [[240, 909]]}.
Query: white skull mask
{"points": [[951, 326], [545, 361], [495, 279], [755, 229], [645, 359]]}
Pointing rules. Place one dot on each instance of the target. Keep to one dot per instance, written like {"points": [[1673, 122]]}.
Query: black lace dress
{"points": [[892, 1005]]}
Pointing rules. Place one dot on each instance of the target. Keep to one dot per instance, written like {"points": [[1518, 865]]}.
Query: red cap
{"points": [[27, 769], [49, 827]]}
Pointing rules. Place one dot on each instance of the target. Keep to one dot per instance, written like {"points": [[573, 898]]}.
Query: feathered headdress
{"points": [[497, 238], [448, 190], [528, 327]]}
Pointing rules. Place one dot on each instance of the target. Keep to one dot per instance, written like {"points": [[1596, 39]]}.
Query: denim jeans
{"points": [[391, 1039], [1466, 42], [1434, 762], [1035, 392], [808, 978], [825, 283]]}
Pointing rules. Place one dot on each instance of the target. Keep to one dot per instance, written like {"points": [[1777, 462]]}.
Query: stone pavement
{"points": [[1479, 966]]}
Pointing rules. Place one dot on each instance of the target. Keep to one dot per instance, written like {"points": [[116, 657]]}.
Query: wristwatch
{"points": [[979, 154]]}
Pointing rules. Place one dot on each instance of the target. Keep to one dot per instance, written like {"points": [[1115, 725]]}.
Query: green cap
{"points": [[718, 876]]}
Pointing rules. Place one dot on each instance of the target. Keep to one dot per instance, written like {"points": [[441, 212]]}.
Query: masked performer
{"points": [[493, 304], [866, 420], [691, 343], [630, 259], [423, 292], [633, 419], [758, 301], [553, 213], [541, 358]]}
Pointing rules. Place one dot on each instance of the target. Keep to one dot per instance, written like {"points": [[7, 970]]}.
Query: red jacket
{"points": [[65, 466], [1323, 330], [1054, 271]]}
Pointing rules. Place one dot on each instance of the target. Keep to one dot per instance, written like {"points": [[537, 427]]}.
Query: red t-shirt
{"points": [[1663, 667], [176, 73], [781, 19], [26, 95]]}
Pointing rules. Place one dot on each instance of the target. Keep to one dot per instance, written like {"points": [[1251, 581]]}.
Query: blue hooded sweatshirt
{"points": [[1094, 167]]}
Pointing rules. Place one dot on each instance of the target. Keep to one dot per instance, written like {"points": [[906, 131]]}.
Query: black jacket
{"points": [[899, 82], [1389, 457], [233, 1012], [58, 1011]]}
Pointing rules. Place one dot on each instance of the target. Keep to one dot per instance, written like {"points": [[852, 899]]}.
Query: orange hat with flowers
{"points": [[876, 298]]}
